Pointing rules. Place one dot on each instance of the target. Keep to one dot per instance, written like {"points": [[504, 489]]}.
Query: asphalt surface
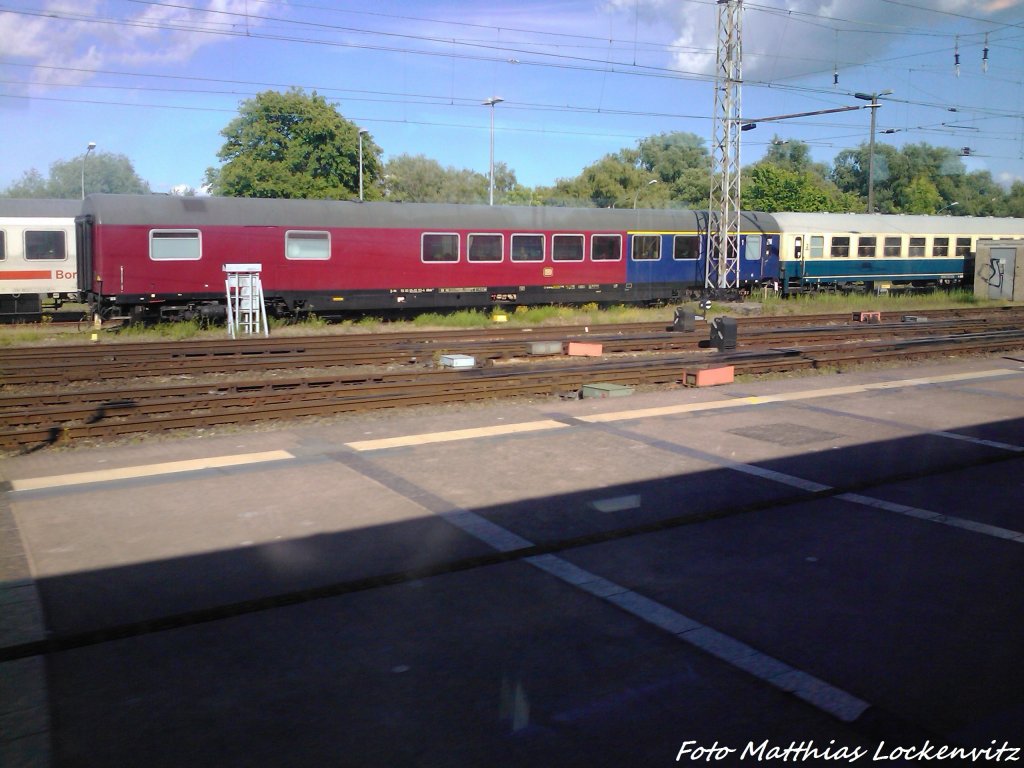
{"points": [[822, 570]]}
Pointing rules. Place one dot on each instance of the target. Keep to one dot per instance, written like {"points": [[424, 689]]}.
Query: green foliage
{"points": [[104, 172], [418, 179], [1015, 200], [678, 163], [537, 315], [466, 318], [842, 303], [920, 178], [175, 331], [290, 145], [793, 156], [920, 196], [772, 188]]}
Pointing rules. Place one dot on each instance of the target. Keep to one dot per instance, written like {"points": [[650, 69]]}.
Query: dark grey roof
{"points": [[17, 207], [168, 210]]}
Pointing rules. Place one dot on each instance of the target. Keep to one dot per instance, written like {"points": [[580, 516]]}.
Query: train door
{"points": [[83, 243], [751, 252]]}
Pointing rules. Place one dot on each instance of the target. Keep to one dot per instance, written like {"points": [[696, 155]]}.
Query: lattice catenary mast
{"points": [[724, 207]]}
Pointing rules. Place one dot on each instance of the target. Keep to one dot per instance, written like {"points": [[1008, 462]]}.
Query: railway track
{"points": [[87, 363], [346, 377]]}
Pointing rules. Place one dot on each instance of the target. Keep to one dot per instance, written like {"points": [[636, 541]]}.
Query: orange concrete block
{"points": [[867, 317], [581, 349], [709, 377]]}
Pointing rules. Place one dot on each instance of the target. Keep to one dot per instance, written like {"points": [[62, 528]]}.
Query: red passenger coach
{"points": [[156, 256]]}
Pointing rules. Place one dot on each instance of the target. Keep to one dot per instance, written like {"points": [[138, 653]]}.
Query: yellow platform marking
{"points": [[455, 434], [147, 470], [808, 394], [214, 462]]}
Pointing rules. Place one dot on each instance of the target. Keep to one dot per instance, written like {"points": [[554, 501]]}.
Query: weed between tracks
{"points": [[519, 317]]}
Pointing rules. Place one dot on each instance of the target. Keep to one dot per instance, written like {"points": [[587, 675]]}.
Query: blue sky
{"points": [[158, 81]]}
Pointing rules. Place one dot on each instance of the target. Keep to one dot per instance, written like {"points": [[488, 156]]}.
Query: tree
{"points": [[793, 155], [680, 163], [30, 185], [677, 161], [920, 178], [851, 171], [104, 172], [1015, 200], [772, 189], [920, 196], [294, 146], [787, 179], [418, 179]]}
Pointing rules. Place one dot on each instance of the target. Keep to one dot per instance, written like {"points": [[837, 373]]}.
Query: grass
{"points": [[519, 317], [839, 303]]}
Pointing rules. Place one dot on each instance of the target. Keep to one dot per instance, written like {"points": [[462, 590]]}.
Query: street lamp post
{"points": [[490, 103], [92, 146], [361, 132], [947, 207], [873, 98], [640, 189]]}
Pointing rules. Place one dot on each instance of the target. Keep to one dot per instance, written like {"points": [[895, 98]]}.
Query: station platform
{"points": [[829, 560]]}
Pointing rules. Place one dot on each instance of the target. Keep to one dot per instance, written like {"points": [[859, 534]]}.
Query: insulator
{"points": [[984, 56]]}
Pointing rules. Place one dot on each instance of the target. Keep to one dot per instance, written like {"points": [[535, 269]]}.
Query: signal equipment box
{"points": [[999, 270], [723, 333]]}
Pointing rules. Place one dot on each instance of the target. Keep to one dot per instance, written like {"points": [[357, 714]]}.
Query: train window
{"points": [[567, 248], [606, 247], [752, 251], [686, 247], [440, 247], [940, 247], [917, 247], [840, 247], [3, 248], [866, 247], [307, 245], [44, 245], [175, 245], [484, 247], [893, 247], [817, 250], [963, 247], [527, 247], [646, 247]]}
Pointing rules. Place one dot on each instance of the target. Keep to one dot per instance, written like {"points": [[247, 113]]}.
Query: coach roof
{"points": [[176, 211], [38, 208], [895, 224]]}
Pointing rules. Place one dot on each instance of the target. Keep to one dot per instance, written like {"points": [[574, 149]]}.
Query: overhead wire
{"points": [[557, 60]]}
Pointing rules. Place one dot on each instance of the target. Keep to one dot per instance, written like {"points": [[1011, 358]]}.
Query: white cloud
{"points": [[798, 37], [93, 34], [1007, 179]]}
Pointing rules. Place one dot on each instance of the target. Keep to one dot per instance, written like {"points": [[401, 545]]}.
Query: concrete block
{"points": [[545, 348], [581, 349], [709, 377], [606, 390], [457, 361], [867, 317]]}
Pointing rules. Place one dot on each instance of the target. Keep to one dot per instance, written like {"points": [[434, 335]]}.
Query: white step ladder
{"points": [[247, 312]]}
